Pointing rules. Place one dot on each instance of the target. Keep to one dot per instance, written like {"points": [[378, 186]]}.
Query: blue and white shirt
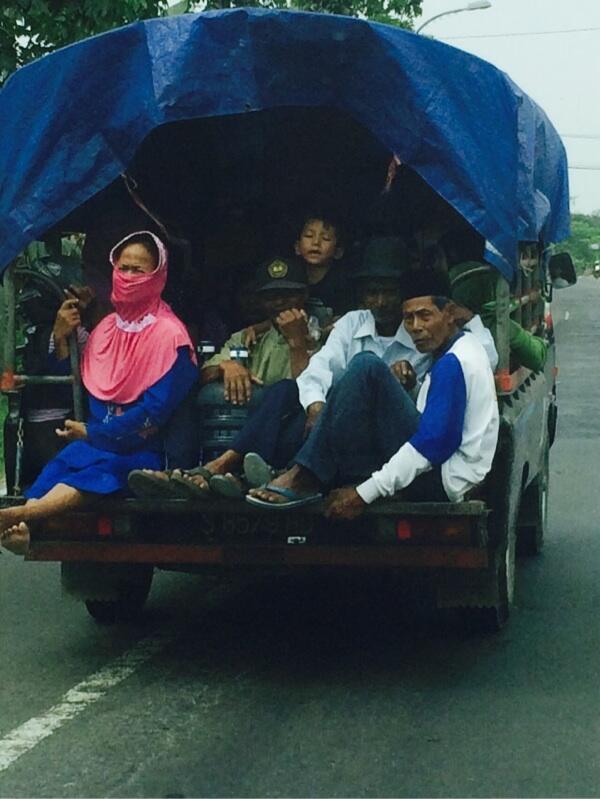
{"points": [[458, 427], [356, 332]]}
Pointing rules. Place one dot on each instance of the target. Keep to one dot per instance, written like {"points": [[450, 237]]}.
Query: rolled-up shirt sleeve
{"points": [[316, 380], [437, 438], [224, 353]]}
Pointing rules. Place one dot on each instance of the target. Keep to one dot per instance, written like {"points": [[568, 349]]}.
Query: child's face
{"points": [[317, 244]]}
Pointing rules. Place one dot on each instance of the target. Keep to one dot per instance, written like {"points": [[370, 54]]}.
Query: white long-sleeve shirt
{"points": [[356, 332], [458, 428]]}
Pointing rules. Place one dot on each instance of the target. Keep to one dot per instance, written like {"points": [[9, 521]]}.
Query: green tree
{"points": [[585, 232], [31, 28], [395, 12]]}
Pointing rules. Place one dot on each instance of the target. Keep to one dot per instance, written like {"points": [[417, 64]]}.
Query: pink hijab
{"points": [[133, 348]]}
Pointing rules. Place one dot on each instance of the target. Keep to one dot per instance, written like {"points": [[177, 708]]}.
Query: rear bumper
{"points": [[284, 555]]}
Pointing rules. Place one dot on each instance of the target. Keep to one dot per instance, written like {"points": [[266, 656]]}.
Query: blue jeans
{"points": [[367, 418], [276, 428]]}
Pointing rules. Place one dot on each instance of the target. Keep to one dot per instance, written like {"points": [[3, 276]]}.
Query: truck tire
{"points": [[131, 596], [552, 420], [533, 512]]}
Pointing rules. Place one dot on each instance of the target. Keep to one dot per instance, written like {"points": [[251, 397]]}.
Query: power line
{"points": [[590, 167], [518, 33], [580, 135]]}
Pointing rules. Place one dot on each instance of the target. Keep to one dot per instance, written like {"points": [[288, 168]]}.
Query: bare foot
{"points": [[229, 461], [9, 517], [196, 479], [160, 475], [16, 539], [297, 479]]}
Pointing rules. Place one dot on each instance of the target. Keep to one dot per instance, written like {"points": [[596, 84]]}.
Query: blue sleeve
{"points": [[441, 425], [131, 430]]}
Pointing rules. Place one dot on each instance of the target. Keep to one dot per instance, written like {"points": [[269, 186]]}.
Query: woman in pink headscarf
{"points": [[138, 365]]}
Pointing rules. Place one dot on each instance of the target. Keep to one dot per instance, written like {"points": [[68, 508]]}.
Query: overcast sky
{"points": [[560, 71]]}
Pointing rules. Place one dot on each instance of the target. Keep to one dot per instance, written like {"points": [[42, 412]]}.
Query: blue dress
{"points": [[120, 437]]}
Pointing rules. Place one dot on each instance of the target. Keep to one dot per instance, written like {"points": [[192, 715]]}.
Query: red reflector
{"points": [[403, 530], [503, 380], [7, 381], [104, 526]]}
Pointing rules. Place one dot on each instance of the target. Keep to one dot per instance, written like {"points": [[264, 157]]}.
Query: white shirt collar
{"points": [[367, 329]]}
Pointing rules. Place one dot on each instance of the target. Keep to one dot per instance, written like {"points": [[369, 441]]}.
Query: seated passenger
{"points": [[464, 252], [320, 246], [280, 351], [290, 408], [370, 435], [137, 367], [47, 353]]}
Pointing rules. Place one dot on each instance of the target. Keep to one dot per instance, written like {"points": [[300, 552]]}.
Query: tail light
{"points": [[435, 530]]}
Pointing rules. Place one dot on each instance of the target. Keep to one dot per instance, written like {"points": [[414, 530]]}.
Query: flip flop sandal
{"points": [[149, 486], [295, 500], [186, 489], [227, 486], [256, 470]]}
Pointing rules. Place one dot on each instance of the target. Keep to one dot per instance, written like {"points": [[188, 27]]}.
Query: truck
{"points": [[209, 124]]}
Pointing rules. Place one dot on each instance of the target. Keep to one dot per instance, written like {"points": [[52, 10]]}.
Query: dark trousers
{"points": [[181, 435], [276, 428], [367, 418]]}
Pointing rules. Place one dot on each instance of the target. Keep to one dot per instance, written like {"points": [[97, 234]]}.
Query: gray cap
{"points": [[384, 257]]}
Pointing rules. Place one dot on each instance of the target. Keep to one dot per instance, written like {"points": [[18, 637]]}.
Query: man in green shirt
{"points": [[474, 289], [280, 352]]}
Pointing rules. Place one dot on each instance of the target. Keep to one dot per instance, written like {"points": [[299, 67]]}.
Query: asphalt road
{"points": [[300, 688]]}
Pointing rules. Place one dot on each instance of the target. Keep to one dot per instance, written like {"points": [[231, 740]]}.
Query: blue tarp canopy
{"points": [[72, 121]]}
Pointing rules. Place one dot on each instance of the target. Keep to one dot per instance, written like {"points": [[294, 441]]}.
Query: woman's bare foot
{"points": [[160, 475], [9, 517], [16, 538], [297, 479]]}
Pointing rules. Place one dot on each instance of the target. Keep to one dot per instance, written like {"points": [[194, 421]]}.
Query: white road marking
{"points": [[23, 738], [567, 314]]}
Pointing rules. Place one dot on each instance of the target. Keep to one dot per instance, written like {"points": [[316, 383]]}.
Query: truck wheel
{"points": [[552, 421], [131, 595], [533, 512]]}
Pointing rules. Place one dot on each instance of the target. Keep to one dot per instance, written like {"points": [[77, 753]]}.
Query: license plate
{"points": [[236, 526]]}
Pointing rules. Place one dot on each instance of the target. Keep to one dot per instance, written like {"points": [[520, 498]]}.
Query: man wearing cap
{"points": [[474, 289], [370, 434], [282, 351]]}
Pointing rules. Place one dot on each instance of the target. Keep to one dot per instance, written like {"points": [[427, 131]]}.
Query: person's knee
{"points": [[366, 364]]}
